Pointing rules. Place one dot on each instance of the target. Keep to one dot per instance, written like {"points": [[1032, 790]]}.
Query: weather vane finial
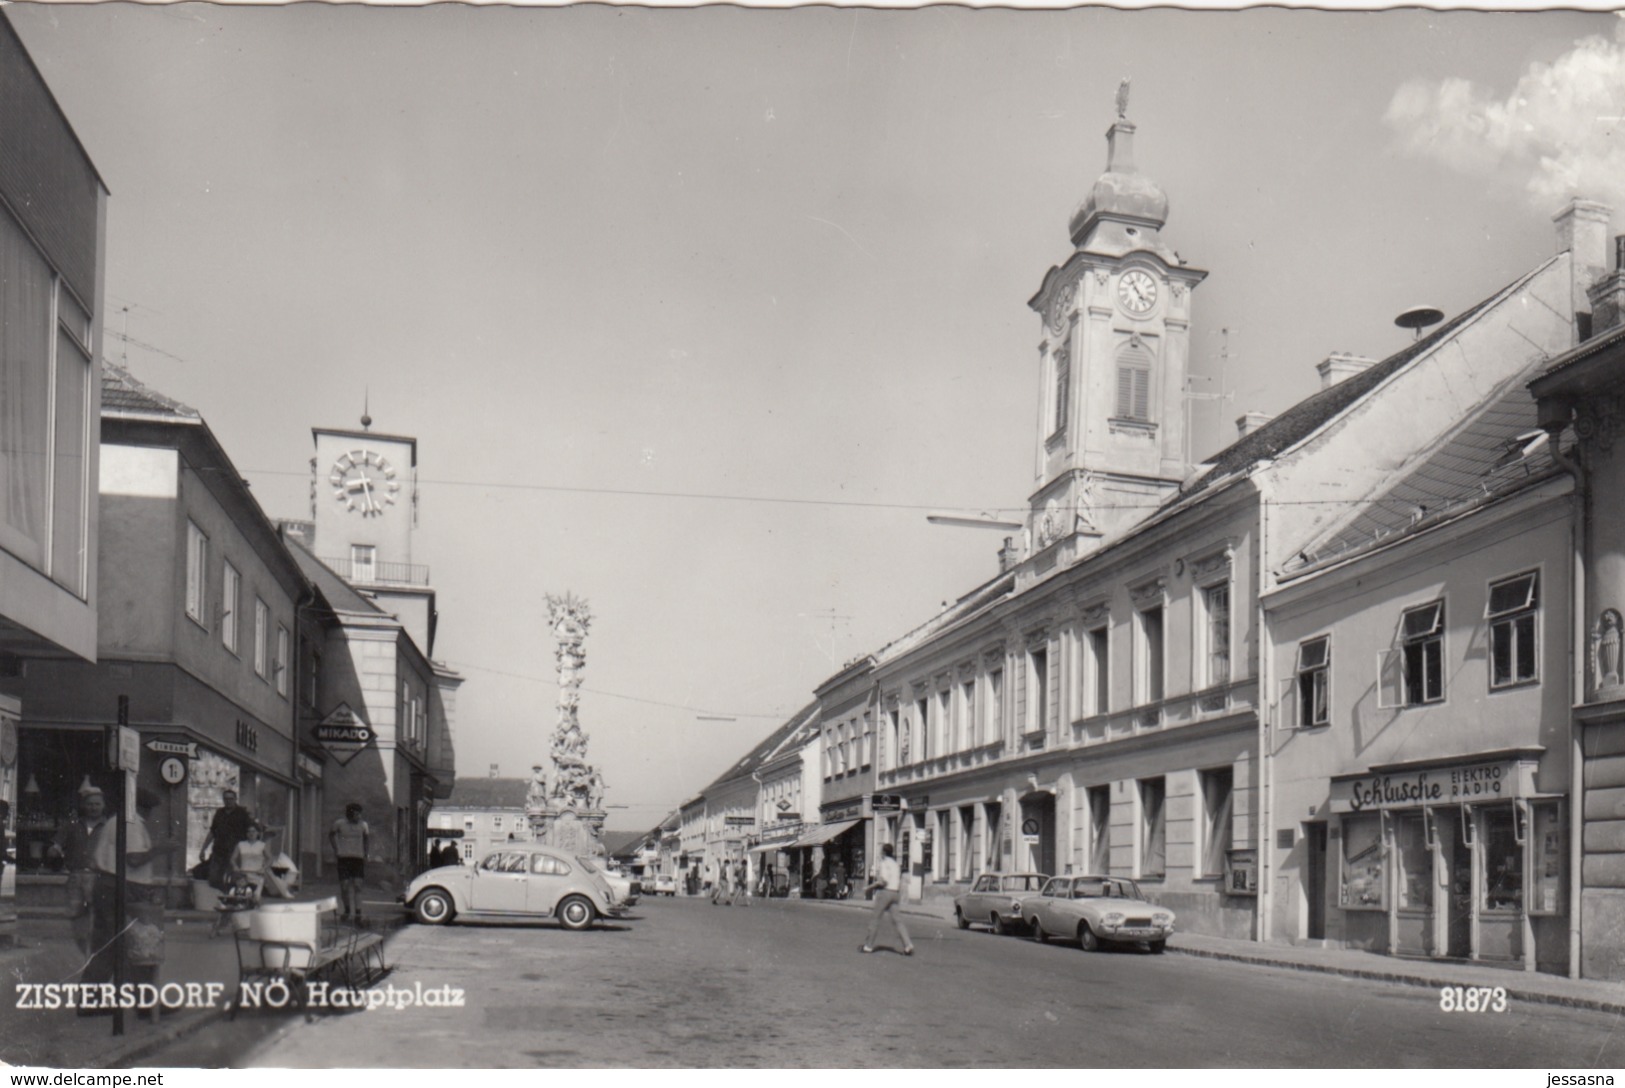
{"points": [[1122, 99]]}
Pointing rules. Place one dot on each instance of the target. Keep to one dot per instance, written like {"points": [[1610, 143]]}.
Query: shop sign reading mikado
{"points": [[343, 733], [1441, 784]]}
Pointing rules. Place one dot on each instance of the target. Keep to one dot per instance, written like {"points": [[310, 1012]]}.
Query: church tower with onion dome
{"points": [[1114, 350]]}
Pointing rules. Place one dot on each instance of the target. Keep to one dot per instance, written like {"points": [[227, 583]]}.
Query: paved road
{"points": [[783, 985]]}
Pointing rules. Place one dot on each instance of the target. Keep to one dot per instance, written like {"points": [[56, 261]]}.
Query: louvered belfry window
{"points": [[1134, 383]]}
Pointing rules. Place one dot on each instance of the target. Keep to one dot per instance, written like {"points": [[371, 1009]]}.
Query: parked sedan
{"points": [[995, 900], [516, 882], [664, 885], [1097, 909]]}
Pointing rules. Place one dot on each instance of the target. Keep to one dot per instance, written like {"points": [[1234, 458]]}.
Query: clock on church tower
{"points": [[1113, 357]]}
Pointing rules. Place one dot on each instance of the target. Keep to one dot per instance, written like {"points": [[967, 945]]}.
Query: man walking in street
{"points": [[228, 828], [888, 882], [349, 838]]}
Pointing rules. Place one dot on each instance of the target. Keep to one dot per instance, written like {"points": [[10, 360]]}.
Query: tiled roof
{"points": [[487, 793], [121, 392], [766, 747], [1495, 452], [338, 592], [1310, 414]]}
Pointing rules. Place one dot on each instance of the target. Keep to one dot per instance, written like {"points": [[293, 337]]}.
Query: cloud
{"points": [[1561, 130]]}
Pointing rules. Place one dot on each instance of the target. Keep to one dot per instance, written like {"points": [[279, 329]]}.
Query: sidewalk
{"points": [[1520, 985], [61, 1039]]}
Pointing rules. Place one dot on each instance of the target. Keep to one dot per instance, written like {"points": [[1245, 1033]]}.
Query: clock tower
{"points": [[364, 506], [1113, 353]]}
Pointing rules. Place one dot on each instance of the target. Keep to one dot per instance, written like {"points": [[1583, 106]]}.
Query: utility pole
{"points": [[1191, 395]]}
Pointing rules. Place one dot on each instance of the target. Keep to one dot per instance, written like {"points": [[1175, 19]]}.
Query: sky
{"points": [[697, 313]]}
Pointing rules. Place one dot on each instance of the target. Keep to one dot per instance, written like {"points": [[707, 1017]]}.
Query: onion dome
{"points": [[1122, 192]]}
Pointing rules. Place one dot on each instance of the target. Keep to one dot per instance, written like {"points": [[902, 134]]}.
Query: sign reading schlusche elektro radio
{"points": [[1438, 785]]}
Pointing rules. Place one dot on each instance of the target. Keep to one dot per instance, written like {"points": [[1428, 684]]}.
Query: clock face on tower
{"points": [[1136, 292], [364, 482]]}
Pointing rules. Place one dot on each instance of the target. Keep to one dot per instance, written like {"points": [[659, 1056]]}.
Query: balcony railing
{"points": [[379, 574]]}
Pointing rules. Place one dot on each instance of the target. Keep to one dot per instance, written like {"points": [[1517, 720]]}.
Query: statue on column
{"points": [[576, 785]]}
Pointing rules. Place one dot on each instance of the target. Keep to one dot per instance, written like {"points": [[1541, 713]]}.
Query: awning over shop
{"points": [[770, 847], [825, 833]]}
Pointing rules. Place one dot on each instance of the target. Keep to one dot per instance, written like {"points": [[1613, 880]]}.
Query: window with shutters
{"points": [[1134, 383]]}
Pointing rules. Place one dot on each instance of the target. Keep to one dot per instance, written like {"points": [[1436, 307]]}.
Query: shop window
{"points": [[1314, 672], [1503, 859], [197, 572], [1546, 867], [1217, 789], [1415, 861], [1412, 674], [1364, 869], [1153, 827], [1100, 836], [1511, 612]]}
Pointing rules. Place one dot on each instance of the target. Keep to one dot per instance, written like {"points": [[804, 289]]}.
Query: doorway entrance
{"points": [[1458, 882], [1314, 876], [1036, 834]]}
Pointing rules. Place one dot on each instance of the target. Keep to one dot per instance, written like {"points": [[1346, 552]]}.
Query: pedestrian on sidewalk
{"points": [[72, 845], [888, 882], [228, 828], [143, 898], [350, 838], [741, 883]]}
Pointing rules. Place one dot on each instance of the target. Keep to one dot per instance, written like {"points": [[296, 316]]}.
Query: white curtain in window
{"points": [[25, 394]]}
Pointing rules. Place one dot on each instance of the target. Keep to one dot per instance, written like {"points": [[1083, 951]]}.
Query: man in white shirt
{"points": [[888, 885]]}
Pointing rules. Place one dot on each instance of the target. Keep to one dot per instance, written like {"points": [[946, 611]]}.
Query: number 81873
{"points": [[1472, 999]]}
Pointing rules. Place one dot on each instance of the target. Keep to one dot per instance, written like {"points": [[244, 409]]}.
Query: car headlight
{"points": [[1114, 918], [1015, 906], [1163, 919]]}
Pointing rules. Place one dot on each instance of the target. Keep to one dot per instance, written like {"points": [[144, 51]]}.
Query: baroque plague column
{"points": [[566, 808]]}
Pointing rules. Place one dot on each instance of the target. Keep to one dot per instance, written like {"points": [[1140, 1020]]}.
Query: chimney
{"points": [[1009, 555], [1339, 365], [1582, 230], [302, 531], [1607, 296], [1249, 422]]}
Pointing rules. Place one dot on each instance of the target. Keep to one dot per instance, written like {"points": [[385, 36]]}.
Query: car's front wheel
{"points": [[1158, 946], [576, 912], [1087, 939], [998, 924], [433, 907], [960, 920], [1038, 930]]}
